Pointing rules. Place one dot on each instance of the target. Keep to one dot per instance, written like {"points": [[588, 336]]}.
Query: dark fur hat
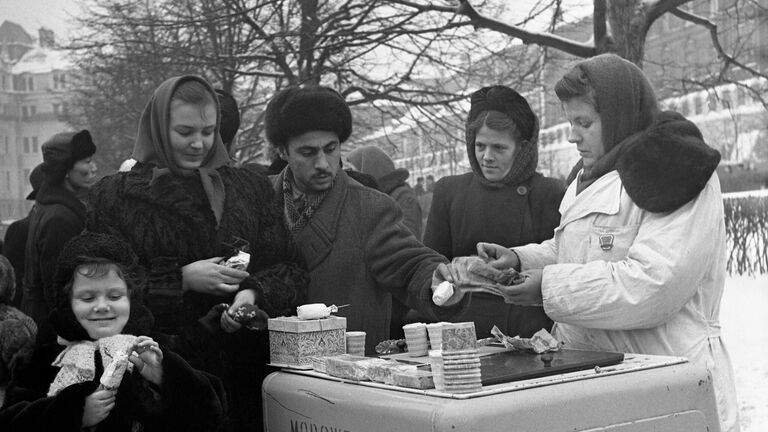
{"points": [[7, 281], [230, 117], [667, 165], [61, 152], [35, 179], [297, 110], [87, 248], [507, 101]]}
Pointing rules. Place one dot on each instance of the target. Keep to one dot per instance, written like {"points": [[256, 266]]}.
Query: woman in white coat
{"points": [[637, 263]]}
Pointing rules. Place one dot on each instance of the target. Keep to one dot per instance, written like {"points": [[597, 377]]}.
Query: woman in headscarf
{"points": [[637, 263], [183, 209], [503, 200], [58, 215]]}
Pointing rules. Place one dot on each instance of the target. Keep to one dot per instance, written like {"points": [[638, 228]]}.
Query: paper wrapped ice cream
{"points": [[118, 347], [239, 261], [473, 274]]}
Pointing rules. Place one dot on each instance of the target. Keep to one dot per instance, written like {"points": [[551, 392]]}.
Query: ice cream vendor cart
{"points": [[638, 393]]}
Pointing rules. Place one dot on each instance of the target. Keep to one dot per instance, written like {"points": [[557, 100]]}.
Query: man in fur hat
{"points": [[357, 248], [59, 215]]}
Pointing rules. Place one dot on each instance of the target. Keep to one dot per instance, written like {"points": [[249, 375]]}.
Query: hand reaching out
{"points": [[527, 293], [497, 256], [97, 407], [148, 359]]}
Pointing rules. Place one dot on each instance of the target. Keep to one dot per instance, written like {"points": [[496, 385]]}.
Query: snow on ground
{"points": [[744, 320]]}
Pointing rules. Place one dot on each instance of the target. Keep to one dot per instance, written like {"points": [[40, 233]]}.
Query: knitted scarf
{"points": [[299, 211]]}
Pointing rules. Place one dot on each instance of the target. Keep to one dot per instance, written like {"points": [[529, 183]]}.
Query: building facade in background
{"points": [[679, 59], [34, 80]]}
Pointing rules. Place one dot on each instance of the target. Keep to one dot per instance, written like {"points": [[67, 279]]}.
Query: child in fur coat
{"points": [[64, 386]]}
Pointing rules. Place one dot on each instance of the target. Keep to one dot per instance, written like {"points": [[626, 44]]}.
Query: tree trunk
{"points": [[628, 25]]}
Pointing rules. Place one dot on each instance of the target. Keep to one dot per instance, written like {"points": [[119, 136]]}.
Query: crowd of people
{"points": [[627, 255]]}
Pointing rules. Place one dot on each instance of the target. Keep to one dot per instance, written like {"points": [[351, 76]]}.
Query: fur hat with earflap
{"points": [[87, 248], [61, 152]]}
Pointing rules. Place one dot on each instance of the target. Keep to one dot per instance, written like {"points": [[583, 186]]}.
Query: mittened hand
{"points": [[148, 359]]}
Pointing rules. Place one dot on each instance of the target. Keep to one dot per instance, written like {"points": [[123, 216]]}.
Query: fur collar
{"points": [[666, 165]]}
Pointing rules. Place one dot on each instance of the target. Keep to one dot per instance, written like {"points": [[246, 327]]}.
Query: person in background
{"points": [[353, 239], [637, 263], [419, 188], [503, 200], [184, 210], [57, 386], [17, 330], [58, 215], [230, 118], [373, 161], [15, 243], [392, 181], [425, 201]]}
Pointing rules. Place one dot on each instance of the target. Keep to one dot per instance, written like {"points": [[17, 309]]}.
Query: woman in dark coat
{"points": [[96, 316], [58, 215], [182, 207], [503, 199]]}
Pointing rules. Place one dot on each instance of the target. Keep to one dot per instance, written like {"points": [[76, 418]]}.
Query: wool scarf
{"points": [[299, 207]]}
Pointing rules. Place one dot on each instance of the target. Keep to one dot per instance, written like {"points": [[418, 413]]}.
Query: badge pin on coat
{"points": [[606, 242]]}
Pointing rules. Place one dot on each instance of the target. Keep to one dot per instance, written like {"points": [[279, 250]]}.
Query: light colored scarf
{"points": [[77, 361]]}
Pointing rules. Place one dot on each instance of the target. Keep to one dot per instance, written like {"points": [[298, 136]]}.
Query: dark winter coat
{"points": [[57, 217], [465, 212], [14, 248], [360, 253], [170, 224], [189, 400]]}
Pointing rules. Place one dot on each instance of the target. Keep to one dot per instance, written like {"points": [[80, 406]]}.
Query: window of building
{"points": [[34, 145], [59, 80], [30, 83], [24, 112], [32, 110], [698, 106], [741, 97], [684, 108], [19, 83], [26, 145], [726, 98]]}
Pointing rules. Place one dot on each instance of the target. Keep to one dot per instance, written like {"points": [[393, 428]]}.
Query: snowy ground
{"points": [[744, 320]]}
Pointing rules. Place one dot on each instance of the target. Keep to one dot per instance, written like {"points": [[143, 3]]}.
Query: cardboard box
{"points": [[295, 343]]}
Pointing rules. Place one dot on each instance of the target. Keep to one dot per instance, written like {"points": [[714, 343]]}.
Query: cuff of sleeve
{"points": [[254, 284]]}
